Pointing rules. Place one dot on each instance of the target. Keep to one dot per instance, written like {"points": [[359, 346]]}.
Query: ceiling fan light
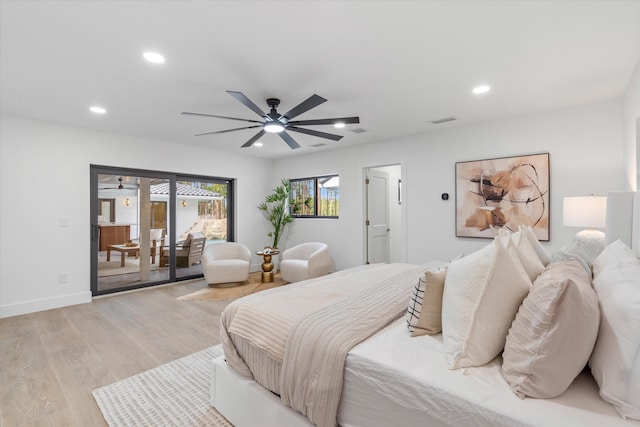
{"points": [[258, 144], [339, 125], [273, 128]]}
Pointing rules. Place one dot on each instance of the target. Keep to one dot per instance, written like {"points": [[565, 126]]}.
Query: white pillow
{"points": [[520, 246], [535, 243], [482, 294], [585, 247], [615, 361]]}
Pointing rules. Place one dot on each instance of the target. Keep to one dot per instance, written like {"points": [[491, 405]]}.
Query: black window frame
{"points": [[316, 196]]}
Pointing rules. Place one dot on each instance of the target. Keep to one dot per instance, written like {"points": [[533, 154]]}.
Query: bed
{"points": [[389, 378]]}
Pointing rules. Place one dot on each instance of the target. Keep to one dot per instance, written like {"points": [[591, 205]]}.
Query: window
{"points": [[317, 197]]}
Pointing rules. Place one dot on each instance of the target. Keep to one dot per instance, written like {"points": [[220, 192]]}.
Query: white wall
{"points": [[631, 153], [585, 146], [44, 176]]}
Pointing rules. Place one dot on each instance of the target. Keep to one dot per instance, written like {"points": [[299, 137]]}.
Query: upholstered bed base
{"points": [[246, 403]]}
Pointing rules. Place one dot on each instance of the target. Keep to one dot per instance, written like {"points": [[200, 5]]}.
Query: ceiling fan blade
{"points": [[289, 140], [186, 113], [345, 120], [255, 137], [228, 130], [249, 104], [315, 133], [306, 105]]}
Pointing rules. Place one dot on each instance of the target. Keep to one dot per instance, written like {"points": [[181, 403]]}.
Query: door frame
{"points": [[173, 178], [401, 197]]}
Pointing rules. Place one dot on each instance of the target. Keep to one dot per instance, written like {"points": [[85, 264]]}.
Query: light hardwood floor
{"points": [[51, 361]]}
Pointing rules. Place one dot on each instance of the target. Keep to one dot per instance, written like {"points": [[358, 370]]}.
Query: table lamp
{"points": [[586, 212]]}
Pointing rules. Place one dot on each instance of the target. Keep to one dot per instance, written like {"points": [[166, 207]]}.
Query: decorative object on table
{"points": [[276, 211], [226, 262], [502, 193], [305, 261], [267, 264]]}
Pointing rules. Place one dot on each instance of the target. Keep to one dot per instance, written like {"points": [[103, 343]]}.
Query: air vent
{"points": [[358, 130], [318, 145], [444, 120]]}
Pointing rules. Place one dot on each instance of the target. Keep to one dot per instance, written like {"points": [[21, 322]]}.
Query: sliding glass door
{"points": [[149, 227]]}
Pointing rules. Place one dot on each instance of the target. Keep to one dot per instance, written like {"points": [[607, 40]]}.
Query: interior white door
{"points": [[378, 216]]}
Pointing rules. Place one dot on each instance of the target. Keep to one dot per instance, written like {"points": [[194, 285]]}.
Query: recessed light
{"points": [[154, 57], [97, 110], [258, 144], [339, 125], [479, 90]]}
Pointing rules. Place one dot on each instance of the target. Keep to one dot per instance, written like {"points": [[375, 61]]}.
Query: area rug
{"points": [[232, 290], [174, 394], [112, 268]]}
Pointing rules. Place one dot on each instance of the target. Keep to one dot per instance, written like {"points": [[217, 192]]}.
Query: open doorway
{"points": [[384, 215]]}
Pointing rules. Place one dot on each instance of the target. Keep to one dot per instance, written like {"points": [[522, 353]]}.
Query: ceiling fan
{"points": [[275, 122], [119, 187]]}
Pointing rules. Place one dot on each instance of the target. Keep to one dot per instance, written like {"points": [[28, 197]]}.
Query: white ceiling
{"points": [[396, 64]]}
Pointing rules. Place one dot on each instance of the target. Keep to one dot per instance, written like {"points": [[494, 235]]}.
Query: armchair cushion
{"points": [[305, 261], [226, 262]]}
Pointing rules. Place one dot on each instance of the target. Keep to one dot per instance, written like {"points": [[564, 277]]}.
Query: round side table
{"points": [[267, 265]]}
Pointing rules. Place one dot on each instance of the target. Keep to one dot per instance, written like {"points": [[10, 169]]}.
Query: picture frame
{"points": [[503, 193]]}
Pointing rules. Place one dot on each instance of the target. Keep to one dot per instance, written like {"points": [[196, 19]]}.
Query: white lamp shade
{"points": [[585, 212]]}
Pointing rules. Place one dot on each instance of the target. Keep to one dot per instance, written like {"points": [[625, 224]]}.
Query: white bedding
{"points": [[393, 379]]}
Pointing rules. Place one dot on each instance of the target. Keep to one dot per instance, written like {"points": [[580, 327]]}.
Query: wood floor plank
{"points": [[51, 361]]}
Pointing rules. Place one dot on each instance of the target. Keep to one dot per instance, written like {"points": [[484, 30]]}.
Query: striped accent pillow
{"points": [[554, 332], [424, 315]]}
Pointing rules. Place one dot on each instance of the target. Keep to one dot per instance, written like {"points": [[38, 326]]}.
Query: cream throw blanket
{"points": [[313, 325], [313, 366]]}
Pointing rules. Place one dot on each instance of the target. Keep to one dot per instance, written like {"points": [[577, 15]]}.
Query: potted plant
{"points": [[276, 210]]}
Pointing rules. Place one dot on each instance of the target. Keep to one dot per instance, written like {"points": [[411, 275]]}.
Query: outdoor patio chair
{"points": [[188, 252]]}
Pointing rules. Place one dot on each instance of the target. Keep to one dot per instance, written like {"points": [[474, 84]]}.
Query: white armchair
{"points": [[226, 262], [305, 261]]}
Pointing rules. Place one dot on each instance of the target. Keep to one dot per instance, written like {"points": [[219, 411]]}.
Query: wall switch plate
{"points": [[63, 278], [64, 221]]}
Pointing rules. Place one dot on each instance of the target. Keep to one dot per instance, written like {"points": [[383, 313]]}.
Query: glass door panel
{"points": [[130, 233], [201, 219]]}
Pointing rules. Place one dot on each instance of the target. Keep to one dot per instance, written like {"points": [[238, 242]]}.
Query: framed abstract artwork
{"points": [[503, 193]]}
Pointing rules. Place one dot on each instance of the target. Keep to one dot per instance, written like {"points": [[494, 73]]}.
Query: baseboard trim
{"points": [[26, 307]]}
